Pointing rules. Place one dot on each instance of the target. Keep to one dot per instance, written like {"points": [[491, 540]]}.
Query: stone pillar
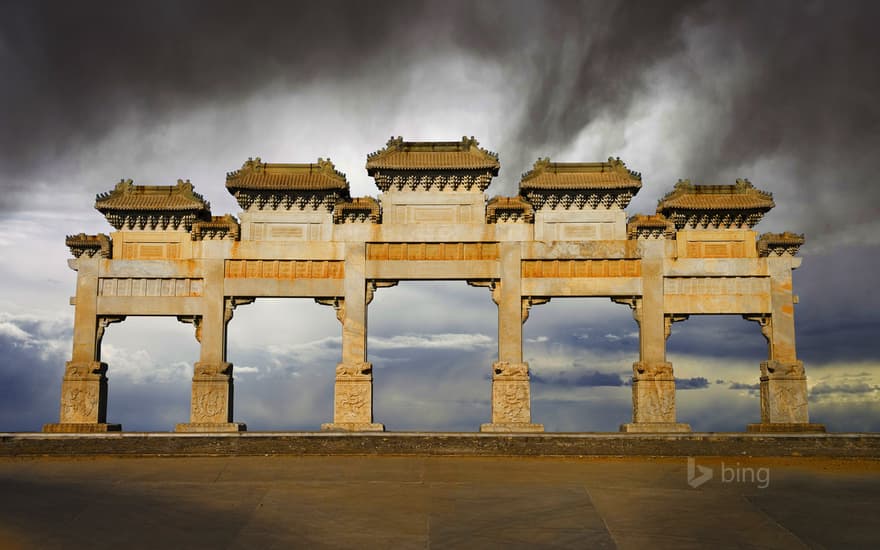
{"points": [[653, 384], [511, 394], [783, 380], [84, 385], [353, 390], [211, 405]]}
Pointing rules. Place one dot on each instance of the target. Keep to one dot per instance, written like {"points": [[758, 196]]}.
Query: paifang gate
{"points": [[301, 234]]}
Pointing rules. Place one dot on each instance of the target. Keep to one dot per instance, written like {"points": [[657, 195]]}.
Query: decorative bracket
{"points": [[373, 285], [494, 287], [634, 302], [528, 302], [232, 302], [338, 303], [765, 320], [103, 322], [194, 320], [670, 318]]}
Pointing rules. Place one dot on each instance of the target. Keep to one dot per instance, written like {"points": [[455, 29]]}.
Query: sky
{"points": [[782, 93]]}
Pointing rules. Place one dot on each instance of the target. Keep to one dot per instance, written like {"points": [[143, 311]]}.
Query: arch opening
{"points": [[580, 353], [432, 345], [284, 353]]}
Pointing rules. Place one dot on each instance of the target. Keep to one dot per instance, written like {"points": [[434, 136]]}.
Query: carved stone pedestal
{"points": [[784, 399], [653, 400], [353, 403], [83, 399], [511, 399], [212, 400]]}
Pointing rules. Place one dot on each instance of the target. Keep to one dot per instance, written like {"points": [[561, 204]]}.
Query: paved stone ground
{"points": [[435, 502]]}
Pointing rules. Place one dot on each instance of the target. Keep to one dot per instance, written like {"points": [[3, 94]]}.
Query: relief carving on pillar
{"points": [[511, 403], [94, 370], [353, 402], [643, 370], [209, 404], [654, 401], [354, 371], [504, 370], [221, 371], [779, 370], [79, 404]]}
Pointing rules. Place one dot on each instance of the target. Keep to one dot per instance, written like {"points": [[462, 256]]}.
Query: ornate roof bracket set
{"points": [[566, 234]]}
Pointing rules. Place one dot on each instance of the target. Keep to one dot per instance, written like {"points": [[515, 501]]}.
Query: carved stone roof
{"points": [[218, 227], [649, 226], [717, 206], [509, 209], [152, 207], [258, 175], [779, 244], [126, 196], [358, 209], [89, 245], [432, 155], [546, 175], [743, 195]]}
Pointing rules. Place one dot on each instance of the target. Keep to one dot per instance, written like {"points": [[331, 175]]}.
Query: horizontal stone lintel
{"points": [[583, 286], [258, 287], [149, 305], [432, 269]]}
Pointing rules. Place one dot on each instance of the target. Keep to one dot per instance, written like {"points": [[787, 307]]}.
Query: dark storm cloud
{"points": [[820, 390], [741, 386], [74, 71]]}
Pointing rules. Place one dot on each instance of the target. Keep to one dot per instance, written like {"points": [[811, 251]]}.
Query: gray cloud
{"points": [[579, 379], [741, 386], [695, 383], [824, 389]]}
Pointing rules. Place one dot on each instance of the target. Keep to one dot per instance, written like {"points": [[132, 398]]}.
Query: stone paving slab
{"points": [[865, 445], [435, 502]]}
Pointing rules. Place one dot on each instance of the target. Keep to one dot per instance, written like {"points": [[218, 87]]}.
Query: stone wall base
{"points": [[655, 427], [81, 427], [208, 427], [353, 427], [785, 427], [511, 427]]}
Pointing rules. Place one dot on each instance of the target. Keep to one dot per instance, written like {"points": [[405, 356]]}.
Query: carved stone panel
{"points": [[134, 286], [285, 269], [432, 251], [581, 268]]}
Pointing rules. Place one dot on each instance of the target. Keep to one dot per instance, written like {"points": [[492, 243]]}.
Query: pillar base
{"points": [[511, 427], [785, 427], [81, 427], [655, 427], [353, 427], [208, 427]]}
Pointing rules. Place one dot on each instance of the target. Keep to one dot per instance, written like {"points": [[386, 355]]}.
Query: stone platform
{"points": [[865, 445], [402, 502]]}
